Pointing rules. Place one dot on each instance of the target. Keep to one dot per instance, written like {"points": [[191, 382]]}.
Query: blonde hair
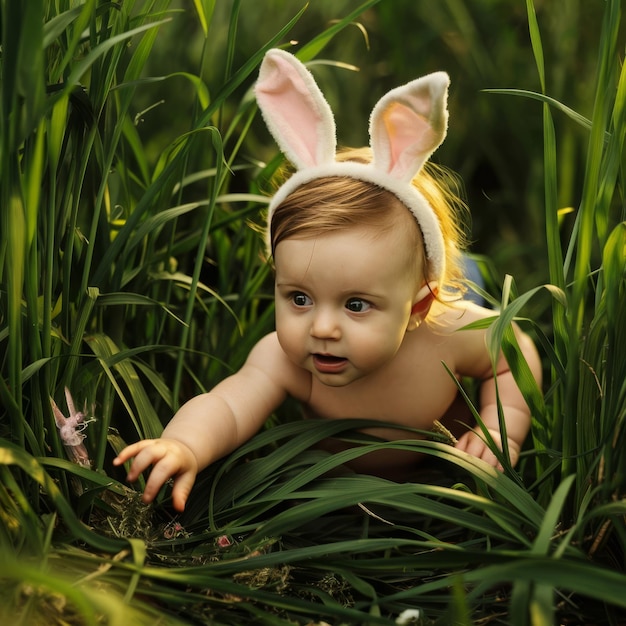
{"points": [[333, 203]]}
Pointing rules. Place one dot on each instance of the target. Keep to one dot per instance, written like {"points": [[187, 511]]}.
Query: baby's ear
{"points": [[422, 303]]}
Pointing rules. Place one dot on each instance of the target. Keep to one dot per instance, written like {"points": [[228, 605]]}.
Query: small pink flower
{"points": [[174, 530]]}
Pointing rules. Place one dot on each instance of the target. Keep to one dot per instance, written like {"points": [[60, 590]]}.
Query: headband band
{"points": [[406, 126]]}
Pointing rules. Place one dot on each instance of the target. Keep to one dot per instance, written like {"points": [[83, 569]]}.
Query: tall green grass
{"points": [[129, 274], [587, 420]]}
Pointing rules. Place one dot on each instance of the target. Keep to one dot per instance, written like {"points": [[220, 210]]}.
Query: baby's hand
{"points": [[473, 443], [168, 458]]}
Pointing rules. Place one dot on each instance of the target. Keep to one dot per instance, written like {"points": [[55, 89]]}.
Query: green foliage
{"points": [[131, 272], [103, 287], [587, 420]]}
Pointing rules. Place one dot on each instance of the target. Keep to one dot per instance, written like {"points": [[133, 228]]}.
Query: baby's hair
{"points": [[333, 203]]}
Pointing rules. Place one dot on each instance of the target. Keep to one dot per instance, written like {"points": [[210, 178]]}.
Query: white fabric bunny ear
{"points": [[406, 127], [295, 110], [408, 124]]}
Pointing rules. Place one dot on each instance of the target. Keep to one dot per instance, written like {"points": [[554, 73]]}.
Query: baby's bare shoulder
{"points": [[450, 317], [269, 357], [461, 327]]}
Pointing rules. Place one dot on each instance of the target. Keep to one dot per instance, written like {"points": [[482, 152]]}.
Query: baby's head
{"points": [[334, 204], [384, 188]]}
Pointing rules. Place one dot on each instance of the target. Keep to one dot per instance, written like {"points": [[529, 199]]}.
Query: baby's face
{"points": [[343, 301]]}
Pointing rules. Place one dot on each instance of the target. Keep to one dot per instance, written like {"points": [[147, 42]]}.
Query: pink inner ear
{"points": [[295, 113], [411, 139]]}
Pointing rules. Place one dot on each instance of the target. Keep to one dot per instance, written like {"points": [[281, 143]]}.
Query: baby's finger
{"points": [[461, 443], [477, 449], [130, 451], [163, 469], [489, 457], [471, 443], [150, 455], [152, 488], [182, 489]]}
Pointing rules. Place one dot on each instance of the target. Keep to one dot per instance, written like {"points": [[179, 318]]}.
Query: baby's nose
{"points": [[325, 325]]}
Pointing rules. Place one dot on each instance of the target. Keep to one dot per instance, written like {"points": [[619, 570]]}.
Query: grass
{"points": [[128, 273]]}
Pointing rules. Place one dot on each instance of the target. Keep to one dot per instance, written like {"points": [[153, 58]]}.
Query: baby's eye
{"points": [[301, 299], [356, 305]]}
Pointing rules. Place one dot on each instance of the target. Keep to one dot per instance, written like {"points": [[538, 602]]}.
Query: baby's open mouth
{"points": [[328, 363], [328, 358]]}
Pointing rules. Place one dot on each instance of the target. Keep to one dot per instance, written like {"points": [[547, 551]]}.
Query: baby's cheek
{"points": [[377, 350], [290, 341]]}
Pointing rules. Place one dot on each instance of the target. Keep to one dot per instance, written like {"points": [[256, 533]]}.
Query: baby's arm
{"points": [[515, 410], [213, 424]]}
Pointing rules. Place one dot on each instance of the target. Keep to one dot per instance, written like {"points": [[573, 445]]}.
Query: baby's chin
{"points": [[347, 376], [333, 380]]}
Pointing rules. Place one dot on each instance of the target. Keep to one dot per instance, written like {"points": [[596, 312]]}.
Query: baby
{"points": [[364, 314]]}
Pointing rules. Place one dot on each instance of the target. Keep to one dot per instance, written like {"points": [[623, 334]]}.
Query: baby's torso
{"points": [[414, 390], [408, 392], [411, 391]]}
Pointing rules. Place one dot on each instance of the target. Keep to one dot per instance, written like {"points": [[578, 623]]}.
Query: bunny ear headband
{"points": [[406, 127]]}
